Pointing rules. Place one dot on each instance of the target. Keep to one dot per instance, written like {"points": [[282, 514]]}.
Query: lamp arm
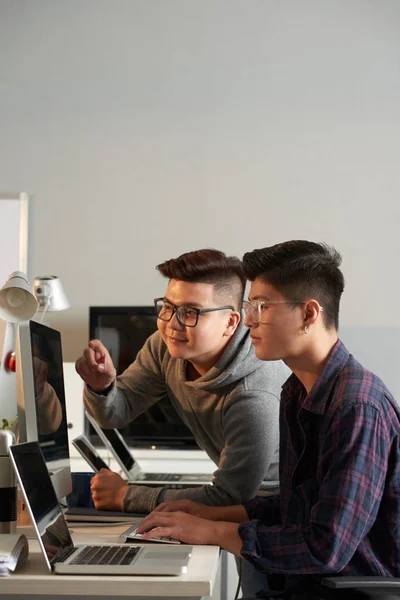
{"points": [[43, 312]]}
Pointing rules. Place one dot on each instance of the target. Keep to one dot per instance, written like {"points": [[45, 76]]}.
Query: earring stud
{"points": [[306, 329]]}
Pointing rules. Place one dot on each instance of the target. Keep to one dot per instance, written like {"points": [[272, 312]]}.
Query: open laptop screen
{"points": [[41, 498], [119, 447], [116, 443]]}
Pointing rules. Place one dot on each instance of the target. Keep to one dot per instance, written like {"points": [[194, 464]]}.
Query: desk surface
{"points": [[34, 579]]}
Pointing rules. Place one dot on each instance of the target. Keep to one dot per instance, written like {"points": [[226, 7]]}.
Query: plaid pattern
{"points": [[339, 503]]}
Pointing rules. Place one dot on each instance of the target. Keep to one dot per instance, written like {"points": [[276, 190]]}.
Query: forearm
{"points": [[141, 499], [232, 514], [226, 536], [221, 494], [134, 391], [116, 407]]}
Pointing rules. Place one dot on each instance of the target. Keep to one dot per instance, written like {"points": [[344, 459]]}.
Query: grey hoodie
{"points": [[232, 411]]}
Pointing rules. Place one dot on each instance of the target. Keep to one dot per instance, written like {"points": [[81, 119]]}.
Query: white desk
{"points": [[34, 579]]}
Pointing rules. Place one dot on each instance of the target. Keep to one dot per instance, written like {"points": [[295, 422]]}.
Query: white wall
{"points": [[147, 128]]}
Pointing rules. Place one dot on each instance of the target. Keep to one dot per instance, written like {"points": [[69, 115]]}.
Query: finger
{"points": [[100, 354], [98, 504], [166, 507], [145, 525], [99, 482], [154, 520], [94, 481], [89, 356], [98, 495], [156, 515], [101, 361], [96, 485], [159, 532], [82, 368], [109, 477], [143, 522], [106, 472], [161, 507], [97, 345], [172, 506]]}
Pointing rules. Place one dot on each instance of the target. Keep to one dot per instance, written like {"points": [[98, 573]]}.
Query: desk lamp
{"points": [[50, 294], [17, 303]]}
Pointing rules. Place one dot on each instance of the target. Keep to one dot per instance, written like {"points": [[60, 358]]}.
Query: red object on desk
{"points": [[10, 362]]}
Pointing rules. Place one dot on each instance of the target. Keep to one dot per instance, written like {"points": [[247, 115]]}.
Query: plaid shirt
{"points": [[338, 510]]}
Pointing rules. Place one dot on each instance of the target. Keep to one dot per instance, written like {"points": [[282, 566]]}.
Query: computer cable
{"points": [[239, 580]]}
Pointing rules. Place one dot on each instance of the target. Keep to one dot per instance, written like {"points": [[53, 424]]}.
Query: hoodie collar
{"points": [[237, 361]]}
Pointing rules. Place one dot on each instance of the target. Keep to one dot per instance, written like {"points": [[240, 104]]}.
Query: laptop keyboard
{"points": [[162, 476], [106, 555]]}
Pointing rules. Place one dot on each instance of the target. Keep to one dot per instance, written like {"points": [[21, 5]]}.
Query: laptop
{"points": [[114, 441], [59, 551], [89, 453]]}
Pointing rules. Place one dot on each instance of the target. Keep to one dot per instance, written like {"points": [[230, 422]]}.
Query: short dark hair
{"points": [[225, 273], [299, 269]]}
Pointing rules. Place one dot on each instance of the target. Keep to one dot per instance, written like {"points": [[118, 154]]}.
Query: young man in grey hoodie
{"points": [[202, 357]]}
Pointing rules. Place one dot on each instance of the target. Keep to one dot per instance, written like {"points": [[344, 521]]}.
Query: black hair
{"points": [[299, 270], [225, 273]]}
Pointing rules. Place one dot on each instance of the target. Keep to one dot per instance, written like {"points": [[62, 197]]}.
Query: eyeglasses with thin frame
{"points": [[187, 316], [255, 309]]}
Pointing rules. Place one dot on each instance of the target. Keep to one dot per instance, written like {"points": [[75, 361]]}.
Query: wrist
{"points": [[225, 535], [121, 497], [100, 391], [235, 514]]}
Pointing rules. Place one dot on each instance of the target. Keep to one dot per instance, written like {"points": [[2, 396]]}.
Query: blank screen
{"points": [[49, 393], [42, 499], [119, 448]]}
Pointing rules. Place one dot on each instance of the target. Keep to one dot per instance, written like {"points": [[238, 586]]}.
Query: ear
{"points": [[312, 310], [233, 322]]}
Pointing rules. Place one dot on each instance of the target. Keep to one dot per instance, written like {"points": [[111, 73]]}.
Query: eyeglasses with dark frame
{"points": [[254, 308], [187, 316]]}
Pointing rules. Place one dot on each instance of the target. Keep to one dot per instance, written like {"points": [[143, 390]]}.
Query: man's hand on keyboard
{"points": [[108, 490], [179, 526], [187, 506], [192, 530]]}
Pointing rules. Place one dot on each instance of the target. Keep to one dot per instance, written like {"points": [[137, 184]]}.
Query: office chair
{"points": [[378, 588]]}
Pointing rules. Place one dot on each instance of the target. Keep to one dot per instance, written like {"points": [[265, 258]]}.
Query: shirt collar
{"points": [[315, 401]]}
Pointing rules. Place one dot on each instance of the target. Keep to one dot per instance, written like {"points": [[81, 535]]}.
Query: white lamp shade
{"points": [[17, 303], [50, 293]]}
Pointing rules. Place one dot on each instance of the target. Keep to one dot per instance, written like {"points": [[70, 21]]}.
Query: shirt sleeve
{"points": [[139, 387], [266, 509], [352, 459]]}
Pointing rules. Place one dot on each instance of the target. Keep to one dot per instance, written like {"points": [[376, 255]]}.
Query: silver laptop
{"points": [[59, 551], [114, 441]]}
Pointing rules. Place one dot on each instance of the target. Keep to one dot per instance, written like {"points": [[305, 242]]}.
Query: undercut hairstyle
{"points": [[211, 266], [301, 270]]}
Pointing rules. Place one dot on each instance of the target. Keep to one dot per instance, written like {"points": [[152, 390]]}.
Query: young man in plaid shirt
{"points": [[338, 508]]}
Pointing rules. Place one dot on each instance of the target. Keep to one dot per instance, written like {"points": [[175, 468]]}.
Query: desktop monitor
{"points": [[41, 405]]}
